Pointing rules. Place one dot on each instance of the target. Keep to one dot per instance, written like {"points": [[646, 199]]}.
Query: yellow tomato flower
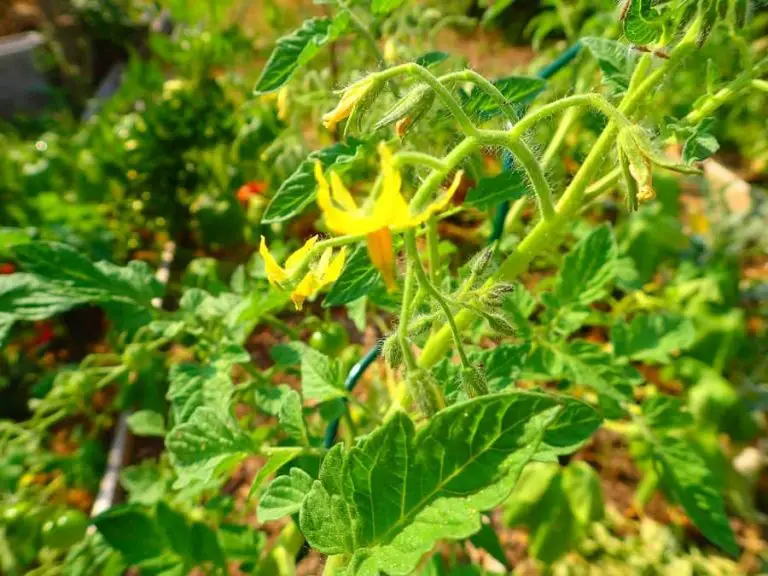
{"points": [[349, 99], [326, 271], [389, 211]]}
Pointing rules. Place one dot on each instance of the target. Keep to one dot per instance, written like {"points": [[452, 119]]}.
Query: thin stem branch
{"points": [[413, 157], [437, 176], [595, 101], [433, 240], [365, 33], [486, 86], [405, 318], [529, 162], [421, 275]]}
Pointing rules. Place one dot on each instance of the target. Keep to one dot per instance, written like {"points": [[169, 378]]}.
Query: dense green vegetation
{"points": [[363, 309]]}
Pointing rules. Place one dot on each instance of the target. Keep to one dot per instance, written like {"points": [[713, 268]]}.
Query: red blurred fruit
{"points": [[7, 268], [251, 189]]}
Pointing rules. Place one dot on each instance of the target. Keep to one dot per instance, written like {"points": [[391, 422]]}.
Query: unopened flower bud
{"points": [[500, 324], [482, 259], [408, 110], [392, 352], [425, 390], [496, 295], [473, 382]]}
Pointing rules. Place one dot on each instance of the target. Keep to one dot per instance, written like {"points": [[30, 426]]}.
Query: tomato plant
{"points": [[370, 298]]}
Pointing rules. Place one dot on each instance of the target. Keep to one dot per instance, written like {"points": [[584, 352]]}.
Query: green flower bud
{"points": [[500, 324], [426, 391], [412, 106], [496, 295], [482, 259], [474, 382], [392, 352]]}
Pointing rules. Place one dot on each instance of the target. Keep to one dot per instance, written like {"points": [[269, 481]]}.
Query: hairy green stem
{"points": [[419, 158], [595, 101], [436, 177], [405, 317], [432, 251], [529, 162], [545, 233]]}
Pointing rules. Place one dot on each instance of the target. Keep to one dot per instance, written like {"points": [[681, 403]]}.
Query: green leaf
{"points": [[147, 423], [516, 89], [321, 377], [130, 531], [534, 482], [495, 10], [653, 337], [295, 50], [585, 494], [278, 457], [693, 485], [616, 61], [284, 495], [588, 268], [407, 489], [24, 297], [270, 398], [292, 419], [357, 279], [431, 58], [205, 546], [71, 273], [698, 142], [299, 189], [176, 529], [380, 7], [666, 412], [489, 192], [206, 445], [639, 25], [239, 542], [145, 483], [193, 386]]}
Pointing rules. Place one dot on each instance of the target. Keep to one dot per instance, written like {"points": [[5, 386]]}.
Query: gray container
{"points": [[23, 88]]}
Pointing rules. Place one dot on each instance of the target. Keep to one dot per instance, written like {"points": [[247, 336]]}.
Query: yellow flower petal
{"points": [[338, 220], [340, 194], [275, 273], [438, 205], [335, 267], [390, 208], [382, 255], [297, 257], [304, 290], [349, 99]]}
